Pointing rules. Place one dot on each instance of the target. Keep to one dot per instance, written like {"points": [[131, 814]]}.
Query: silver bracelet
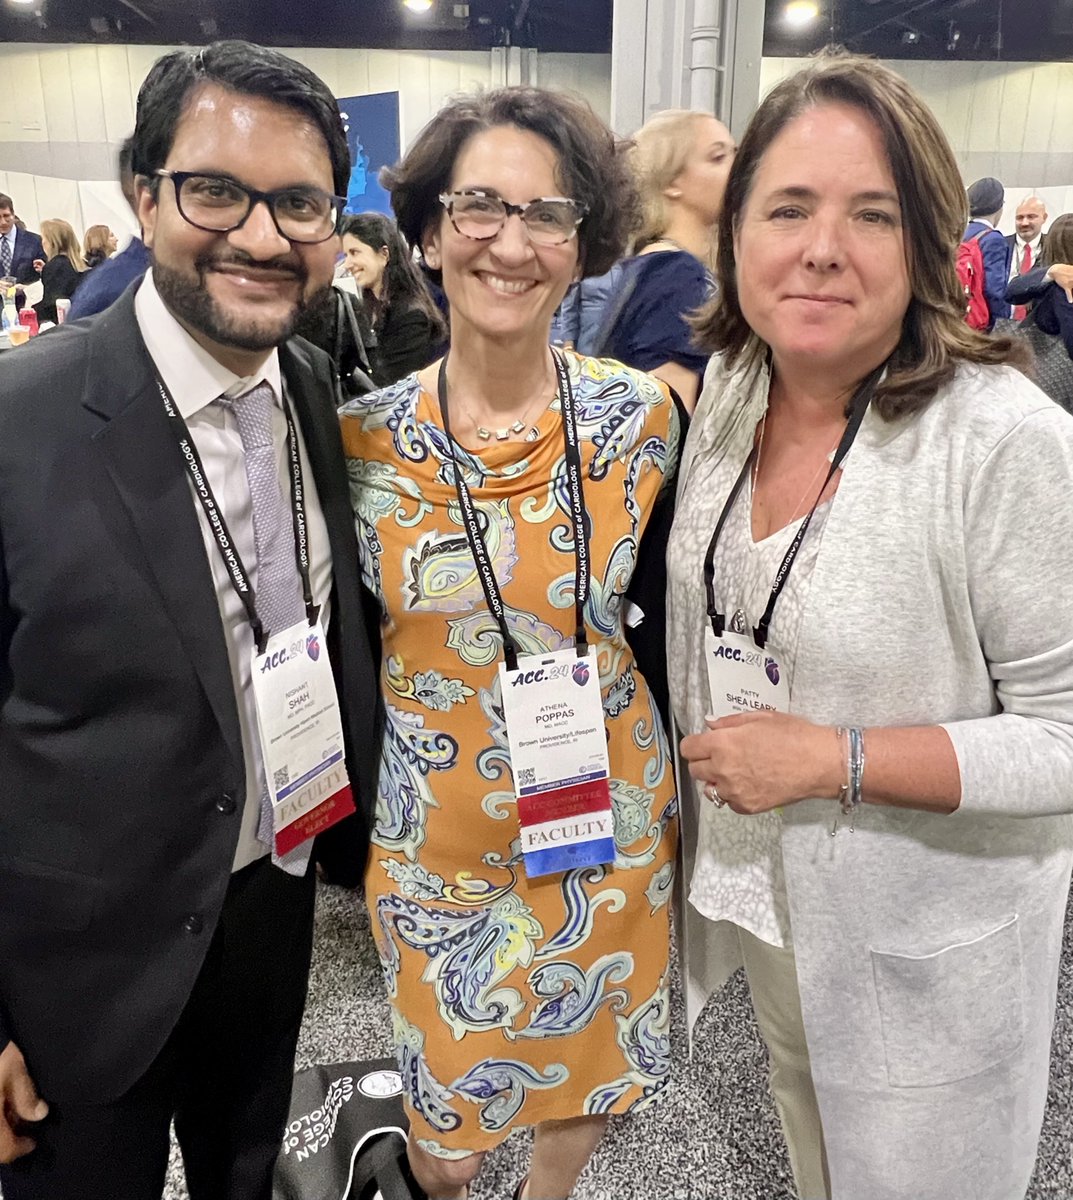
{"points": [[850, 793]]}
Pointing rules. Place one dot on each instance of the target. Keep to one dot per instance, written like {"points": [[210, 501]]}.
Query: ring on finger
{"points": [[712, 792]]}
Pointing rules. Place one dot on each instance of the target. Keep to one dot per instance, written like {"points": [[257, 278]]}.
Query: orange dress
{"points": [[514, 1000]]}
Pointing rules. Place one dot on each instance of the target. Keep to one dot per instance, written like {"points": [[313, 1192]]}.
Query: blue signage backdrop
{"points": [[372, 125]]}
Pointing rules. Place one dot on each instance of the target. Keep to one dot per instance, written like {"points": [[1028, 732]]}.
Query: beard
{"points": [[191, 302]]}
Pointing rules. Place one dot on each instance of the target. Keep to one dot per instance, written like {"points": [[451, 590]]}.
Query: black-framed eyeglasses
{"points": [[219, 204], [549, 220]]}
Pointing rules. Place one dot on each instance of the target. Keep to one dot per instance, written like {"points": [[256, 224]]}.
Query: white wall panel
{"points": [[60, 105], [89, 99], [114, 67], [1010, 120]]}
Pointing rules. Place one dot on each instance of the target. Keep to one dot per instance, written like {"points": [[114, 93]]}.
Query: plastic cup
{"points": [[63, 307], [18, 334]]}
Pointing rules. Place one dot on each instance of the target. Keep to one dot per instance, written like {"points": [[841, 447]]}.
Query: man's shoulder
{"points": [[49, 372]]}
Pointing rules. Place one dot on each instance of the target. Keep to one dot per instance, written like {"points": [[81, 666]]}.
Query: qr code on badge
{"points": [[282, 777], [527, 777]]}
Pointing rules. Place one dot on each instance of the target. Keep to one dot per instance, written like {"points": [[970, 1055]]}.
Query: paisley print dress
{"points": [[514, 1000]]}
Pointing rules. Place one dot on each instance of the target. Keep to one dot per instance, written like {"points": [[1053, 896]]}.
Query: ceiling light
{"points": [[24, 3], [417, 6], [799, 14]]}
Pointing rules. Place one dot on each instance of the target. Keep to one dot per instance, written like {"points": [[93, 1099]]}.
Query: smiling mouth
{"points": [[506, 287]]}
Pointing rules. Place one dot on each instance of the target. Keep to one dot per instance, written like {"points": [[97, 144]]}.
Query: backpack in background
{"points": [[970, 269]]}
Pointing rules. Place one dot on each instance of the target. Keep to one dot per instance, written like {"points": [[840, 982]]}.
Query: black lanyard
{"points": [[236, 569], [579, 518], [760, 632]]}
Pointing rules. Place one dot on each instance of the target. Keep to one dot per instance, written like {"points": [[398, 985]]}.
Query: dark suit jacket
{"points": [[1039, 260], [27, 248], [1023, 289], [120, 751], [407, 341], [106, 283]]}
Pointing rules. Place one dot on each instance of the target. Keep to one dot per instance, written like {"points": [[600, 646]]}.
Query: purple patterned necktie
{"points": [[278, 591], [5, 254]]}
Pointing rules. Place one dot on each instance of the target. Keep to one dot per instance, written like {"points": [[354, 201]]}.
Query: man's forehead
{"points": [[1030, 206]]}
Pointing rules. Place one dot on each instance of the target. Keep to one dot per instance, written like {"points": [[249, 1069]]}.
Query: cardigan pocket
{"points": [[952, 1014]]}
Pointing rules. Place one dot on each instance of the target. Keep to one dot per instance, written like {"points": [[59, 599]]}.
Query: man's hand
{"points": [[19, 1104]]}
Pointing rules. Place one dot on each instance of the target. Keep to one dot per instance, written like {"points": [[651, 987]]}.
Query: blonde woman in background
{"points": [[63, 268], [680, 161], [99, 243]]}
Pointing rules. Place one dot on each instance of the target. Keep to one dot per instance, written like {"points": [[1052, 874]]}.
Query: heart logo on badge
{"points": [[580, 673], [771, 670], [313, 647]]}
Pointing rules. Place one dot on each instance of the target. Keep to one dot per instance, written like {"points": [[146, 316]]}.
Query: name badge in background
{"points": [[558, 749], [301, 735], [742, 678]]}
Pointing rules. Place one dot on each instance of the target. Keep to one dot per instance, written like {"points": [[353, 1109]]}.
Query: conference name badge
{"points": [[301, 735], [558, 749], [742, 678]]}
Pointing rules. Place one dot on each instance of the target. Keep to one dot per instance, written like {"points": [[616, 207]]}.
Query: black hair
{"points": [[592, 165], [404, 285], [241, 67]]}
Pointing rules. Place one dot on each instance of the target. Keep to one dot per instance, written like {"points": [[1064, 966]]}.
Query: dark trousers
{"points": [[224, 1074]]}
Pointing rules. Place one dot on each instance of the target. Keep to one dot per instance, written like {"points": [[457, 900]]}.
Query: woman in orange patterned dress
{"points": [[534, 1001]]}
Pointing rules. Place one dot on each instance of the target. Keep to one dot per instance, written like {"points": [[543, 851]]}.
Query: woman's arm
{"points": [[1018, 527], [681, 380], [761, 761]]}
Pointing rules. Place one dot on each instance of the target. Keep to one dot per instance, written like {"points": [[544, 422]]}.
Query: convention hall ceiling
{"points": [[933, 29]]}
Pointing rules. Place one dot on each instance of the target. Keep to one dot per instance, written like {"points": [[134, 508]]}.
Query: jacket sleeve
{"points": [[407, 343], [1019, 762], [648, 587], [996, 256], [1023, 289]]}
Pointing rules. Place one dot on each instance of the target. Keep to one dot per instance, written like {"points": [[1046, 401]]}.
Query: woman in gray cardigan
{"points": [[896, 671]]}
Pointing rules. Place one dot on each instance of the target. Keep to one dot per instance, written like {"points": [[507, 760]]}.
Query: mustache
{"points": [[292, 265]]}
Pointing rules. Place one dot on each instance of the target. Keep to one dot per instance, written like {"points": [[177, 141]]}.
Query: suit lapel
{"points": [[143, 461]]}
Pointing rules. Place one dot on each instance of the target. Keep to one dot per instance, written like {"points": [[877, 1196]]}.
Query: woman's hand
{"points": [[760, 761]]}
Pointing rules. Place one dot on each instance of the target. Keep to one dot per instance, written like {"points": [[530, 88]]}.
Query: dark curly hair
{"points": [[592, 165], [935, 336]]}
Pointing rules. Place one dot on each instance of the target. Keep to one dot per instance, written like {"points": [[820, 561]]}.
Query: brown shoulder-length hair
{"points": [[592, 165], [935, 337]]}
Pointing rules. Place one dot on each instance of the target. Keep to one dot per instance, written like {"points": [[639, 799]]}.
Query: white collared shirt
{"points": [[1019, 253], [195, 379]]}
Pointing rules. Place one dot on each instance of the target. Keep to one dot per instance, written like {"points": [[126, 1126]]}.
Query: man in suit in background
{"points": [[1028, 244], [19, 248], [171, 480], [986, 198], [111, 278]]}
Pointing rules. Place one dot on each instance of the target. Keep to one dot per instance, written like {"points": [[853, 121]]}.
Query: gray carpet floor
{"points": [[715, 1136]]}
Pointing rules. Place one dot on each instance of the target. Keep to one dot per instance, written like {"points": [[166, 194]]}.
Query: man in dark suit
{"points": [[1028, 246], [171, 480], [110, 279], [19, 248]]}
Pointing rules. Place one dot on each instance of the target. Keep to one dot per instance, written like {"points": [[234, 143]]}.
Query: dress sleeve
{"points": [[653, 328], [1018, 530]]}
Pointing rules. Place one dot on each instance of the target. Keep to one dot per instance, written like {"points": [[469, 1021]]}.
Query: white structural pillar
{"points": [[702, 54]]}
